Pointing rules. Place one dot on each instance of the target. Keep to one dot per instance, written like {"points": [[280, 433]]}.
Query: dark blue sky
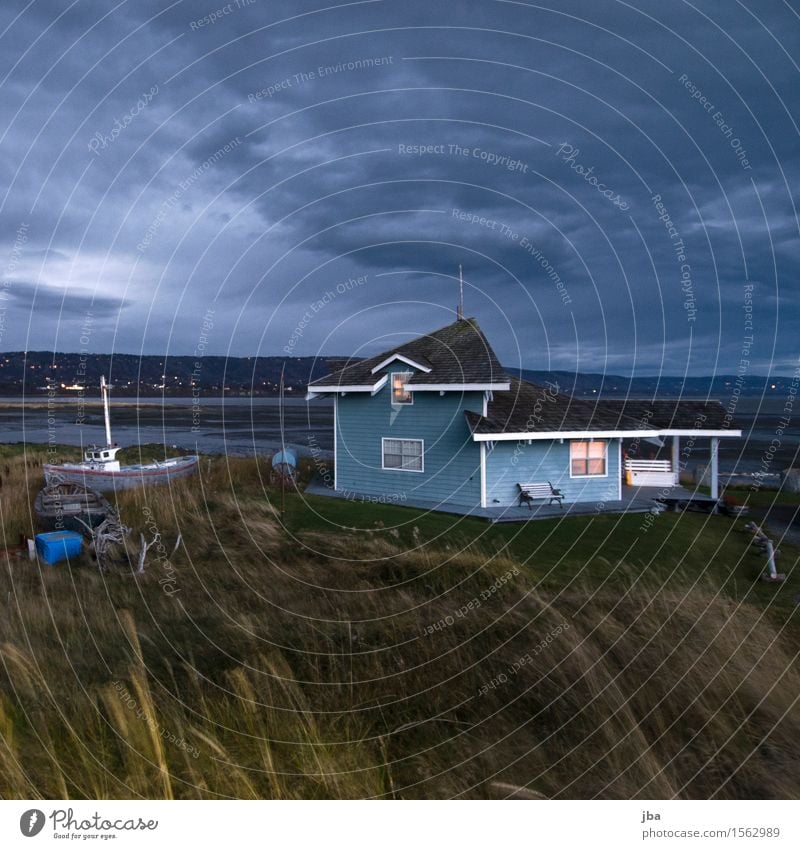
{"points": [[618, 180]]}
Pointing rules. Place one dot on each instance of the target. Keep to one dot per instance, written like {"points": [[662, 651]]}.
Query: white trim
{"points": [[486, 403], [458, 387], [715, 467], [335, 440], [555, 434], [410, 402], [402, 439], [605, 458], [619, 470], [375, 387], [483, 473], [597, 434], [406, 360], [699, 432]]}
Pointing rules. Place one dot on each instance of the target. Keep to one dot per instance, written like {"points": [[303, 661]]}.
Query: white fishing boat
{"points": [[101, 470]]}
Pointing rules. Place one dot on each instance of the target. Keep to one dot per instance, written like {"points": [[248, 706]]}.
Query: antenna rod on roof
{"points": [[460, 308]]}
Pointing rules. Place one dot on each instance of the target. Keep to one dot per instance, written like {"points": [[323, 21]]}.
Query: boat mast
{"points": [[104, 392]]}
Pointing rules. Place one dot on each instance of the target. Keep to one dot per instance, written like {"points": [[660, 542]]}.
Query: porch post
{"points": [[676, 457], [482, 447], [714, 467]]}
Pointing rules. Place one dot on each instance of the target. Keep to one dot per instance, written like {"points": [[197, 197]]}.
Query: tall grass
{"points": [[338, 666]]}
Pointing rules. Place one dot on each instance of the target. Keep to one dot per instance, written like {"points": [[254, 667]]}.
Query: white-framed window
{"points": [[403, 454], [588, 458], [401, 395]]}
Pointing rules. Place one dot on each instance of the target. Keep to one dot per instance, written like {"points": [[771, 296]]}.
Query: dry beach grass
{"points": [[309, 660]]}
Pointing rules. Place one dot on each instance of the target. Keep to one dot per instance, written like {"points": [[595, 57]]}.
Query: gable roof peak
{"points": [[457, 354]]}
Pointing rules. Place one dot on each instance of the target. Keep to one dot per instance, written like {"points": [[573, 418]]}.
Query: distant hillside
{"points": [[150, 375], [130, 374], [718, 386]]}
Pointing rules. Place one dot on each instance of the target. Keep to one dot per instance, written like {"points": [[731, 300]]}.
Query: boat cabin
{"points": [[100, 454], [104, 457]]}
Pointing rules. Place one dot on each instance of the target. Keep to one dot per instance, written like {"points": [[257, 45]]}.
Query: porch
{"points": [[666, 473], [635, 499]]}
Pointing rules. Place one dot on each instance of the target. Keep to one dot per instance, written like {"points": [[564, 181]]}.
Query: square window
{"points": [[403, 454], [588, 457]]}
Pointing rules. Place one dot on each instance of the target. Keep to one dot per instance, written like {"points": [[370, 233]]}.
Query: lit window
{"points": [[400, 395], [404, 454], [588, 457]]}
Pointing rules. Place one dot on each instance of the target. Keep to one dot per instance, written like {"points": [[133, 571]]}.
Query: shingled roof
{"points": [[531, 408], [672, 414], [457, 354]]}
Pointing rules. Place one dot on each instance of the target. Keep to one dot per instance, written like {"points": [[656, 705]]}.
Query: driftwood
{"points": [[145, 546], [108, 533], [766, 546], [112, 532], [760, 537]]}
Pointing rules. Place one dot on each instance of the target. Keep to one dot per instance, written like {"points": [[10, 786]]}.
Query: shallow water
{"points": [[245, 426], [238, 426]]}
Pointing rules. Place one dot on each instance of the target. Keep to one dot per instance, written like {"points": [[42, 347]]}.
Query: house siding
{"points": [[452, 460], [515, 462]]}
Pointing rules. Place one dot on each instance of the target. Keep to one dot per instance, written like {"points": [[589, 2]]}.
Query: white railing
{"points": [[650, 473]]}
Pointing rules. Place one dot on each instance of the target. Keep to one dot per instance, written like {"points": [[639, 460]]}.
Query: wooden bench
{"points": [[531, 491]]}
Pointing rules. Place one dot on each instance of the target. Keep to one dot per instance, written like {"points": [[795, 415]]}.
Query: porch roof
{"points": [[534, 411], [671, 414]]}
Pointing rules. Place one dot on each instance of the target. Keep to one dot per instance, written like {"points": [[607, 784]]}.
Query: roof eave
{"points": [[457, 387], [598, 434], [341, 389]]}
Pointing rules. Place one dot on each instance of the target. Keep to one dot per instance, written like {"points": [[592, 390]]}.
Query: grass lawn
{"points": [[562, 555], [757, 497], [574, 552], [367, 650]]}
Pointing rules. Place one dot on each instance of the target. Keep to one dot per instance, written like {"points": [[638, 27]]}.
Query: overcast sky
{"points": [[618, 180]]}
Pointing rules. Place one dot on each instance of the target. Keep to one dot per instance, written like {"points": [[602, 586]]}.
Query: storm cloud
{"points": [[618, 184]]}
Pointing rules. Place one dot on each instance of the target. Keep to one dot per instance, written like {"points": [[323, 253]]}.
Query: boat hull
{"points": [[128, 477], [65, 506]]}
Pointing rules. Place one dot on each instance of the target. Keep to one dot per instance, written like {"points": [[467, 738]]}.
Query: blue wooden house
{"points": [[437, 421]]}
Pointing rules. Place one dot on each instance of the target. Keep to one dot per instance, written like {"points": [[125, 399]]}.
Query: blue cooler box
{"points": [[58, 545]]}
